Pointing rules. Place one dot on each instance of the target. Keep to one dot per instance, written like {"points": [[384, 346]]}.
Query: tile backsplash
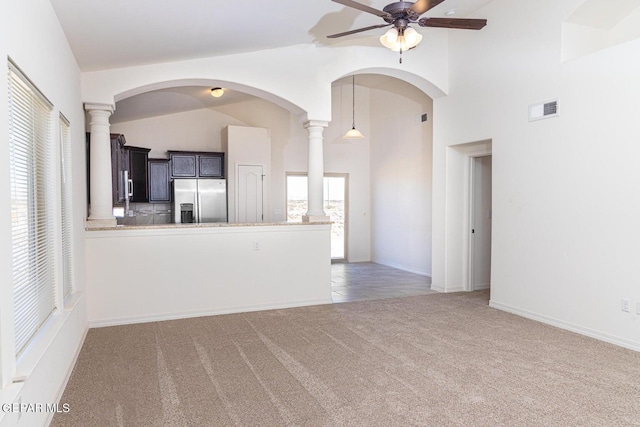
{"points": [[146, 214]]}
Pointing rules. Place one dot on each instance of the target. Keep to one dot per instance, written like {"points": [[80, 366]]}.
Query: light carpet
{"points": [[433, 360]]}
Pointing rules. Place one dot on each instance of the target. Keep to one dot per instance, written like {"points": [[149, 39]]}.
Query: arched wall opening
{"points": [[211, 83], [389, 170]]}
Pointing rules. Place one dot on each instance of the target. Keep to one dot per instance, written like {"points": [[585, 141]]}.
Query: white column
{"points": [[315, 172], [101, 203]]}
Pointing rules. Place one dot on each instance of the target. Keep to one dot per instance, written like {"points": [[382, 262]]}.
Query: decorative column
{"points": [[315, 172], [101, 203]]}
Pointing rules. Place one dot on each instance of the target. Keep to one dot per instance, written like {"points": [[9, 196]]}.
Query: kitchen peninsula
{"points": [[170, 271]]}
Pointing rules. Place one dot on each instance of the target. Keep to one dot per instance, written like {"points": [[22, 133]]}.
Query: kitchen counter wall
{"points": [[150, 273]]}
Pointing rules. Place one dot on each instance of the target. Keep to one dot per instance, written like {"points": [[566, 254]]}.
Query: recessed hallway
{"points": [[369, 281]]}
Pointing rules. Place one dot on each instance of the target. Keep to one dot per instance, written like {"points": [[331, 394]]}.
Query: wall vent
{"points": [[545, 110]]}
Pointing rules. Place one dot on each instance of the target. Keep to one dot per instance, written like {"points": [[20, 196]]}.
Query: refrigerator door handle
{"points": [[198, 205], [125, 190]]}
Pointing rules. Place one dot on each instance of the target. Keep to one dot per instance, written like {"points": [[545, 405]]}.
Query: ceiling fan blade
{"points": [[364, 8], [456, 23], [359, 30], [421, 6]]}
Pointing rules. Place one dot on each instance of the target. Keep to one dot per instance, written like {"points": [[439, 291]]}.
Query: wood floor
{"points": [[369, 281]]}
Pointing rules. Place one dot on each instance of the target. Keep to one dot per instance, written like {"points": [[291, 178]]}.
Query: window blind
{"points": [[66, 206], [32, 198]]}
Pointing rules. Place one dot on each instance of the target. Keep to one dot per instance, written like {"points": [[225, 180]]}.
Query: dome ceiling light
{"points": [[217, 92]]}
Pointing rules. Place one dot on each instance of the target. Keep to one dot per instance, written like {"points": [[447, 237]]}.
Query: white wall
{"points": [[565, 227], [33, 38], [183, 272], [196, 130], [401, 147], [595, 25]]}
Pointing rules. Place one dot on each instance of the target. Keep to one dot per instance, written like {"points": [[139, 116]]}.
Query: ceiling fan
{"points": [[401, 37]]}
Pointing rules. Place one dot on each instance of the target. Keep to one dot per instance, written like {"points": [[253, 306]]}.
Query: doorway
{"points": [[335, 203], [480, 213]]}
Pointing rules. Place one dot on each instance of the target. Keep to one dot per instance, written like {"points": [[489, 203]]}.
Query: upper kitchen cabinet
{"points": [[159, 182], [211, 166], [129, 171], [196, 164], [137, 160]]}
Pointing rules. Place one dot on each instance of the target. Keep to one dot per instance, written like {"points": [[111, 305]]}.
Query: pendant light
{"points": [[353, 132]]}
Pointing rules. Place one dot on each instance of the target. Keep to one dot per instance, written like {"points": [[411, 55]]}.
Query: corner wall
{"points": [[33, 38], [565, 227], [401, 162]]}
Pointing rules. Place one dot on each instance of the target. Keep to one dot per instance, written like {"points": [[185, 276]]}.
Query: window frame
{"points": [[19, 358]]}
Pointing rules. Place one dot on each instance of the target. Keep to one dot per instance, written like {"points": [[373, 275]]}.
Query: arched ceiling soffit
{"points": [[429, 89], [209, 83]]}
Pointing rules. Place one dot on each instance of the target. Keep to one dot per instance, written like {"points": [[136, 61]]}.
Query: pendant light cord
{"points": [[353, 100]]}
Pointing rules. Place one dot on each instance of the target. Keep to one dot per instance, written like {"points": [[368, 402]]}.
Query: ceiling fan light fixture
{"points": [[390, 37], [217, 92], [412, 37], [404, 39]]}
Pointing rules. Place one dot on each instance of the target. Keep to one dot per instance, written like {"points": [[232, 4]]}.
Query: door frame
{"points": [[470, 151], [470, 282]]}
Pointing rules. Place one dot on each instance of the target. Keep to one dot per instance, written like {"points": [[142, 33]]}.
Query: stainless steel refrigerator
{"points": [[199, 200]]}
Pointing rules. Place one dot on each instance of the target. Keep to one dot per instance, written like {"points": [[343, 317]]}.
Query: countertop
{"points": [[204, 225]]}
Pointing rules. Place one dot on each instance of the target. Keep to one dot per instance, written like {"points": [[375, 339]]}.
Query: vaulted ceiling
{"points": [[121, 33]]}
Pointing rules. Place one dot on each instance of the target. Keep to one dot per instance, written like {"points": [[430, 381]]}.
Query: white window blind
{"points": [[32, 206], [66, 206]]}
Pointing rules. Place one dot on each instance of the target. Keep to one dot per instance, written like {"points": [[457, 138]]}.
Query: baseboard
{"points": [[67, 376], [185, 315], [437, 288], [481, 287], [401, 267], [612, 339]]}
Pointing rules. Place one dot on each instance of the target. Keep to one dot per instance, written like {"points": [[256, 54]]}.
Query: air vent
{"points": [[543, 111]]}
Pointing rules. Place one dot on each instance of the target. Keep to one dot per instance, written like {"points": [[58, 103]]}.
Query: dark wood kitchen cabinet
{"points": [[159, 181], [196, 164], [137, 159], [123, 158]]}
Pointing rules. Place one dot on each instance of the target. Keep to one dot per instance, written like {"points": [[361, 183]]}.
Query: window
{"points": [[334, 205], [32, 206], [66, 205]]}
